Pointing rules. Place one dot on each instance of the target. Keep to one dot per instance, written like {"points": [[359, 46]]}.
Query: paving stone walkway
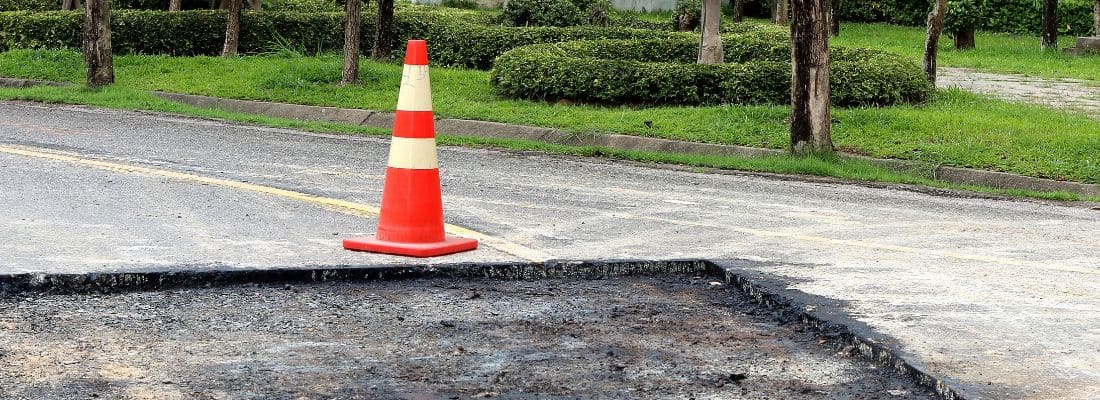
{"points": [[1065, 94]]}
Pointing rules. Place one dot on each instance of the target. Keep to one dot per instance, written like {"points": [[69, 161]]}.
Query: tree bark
{"points": [[174, 5], [1096, 18], [351, 43], [964, 39], [256, 5], [834, 17], [1050, 25], [738, 10], [232, 29], [97, 43], [810, 77], [932, 38], [383, 31], [69, 5], [781, 12], [710, 44]]}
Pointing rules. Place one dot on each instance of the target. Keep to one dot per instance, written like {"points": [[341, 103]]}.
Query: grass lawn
{"points": [[956, 129], [852, 169], [995, 52]]}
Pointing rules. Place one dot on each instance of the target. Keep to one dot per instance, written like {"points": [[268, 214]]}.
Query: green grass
{"points": [[995, 52], [956, 129], [837, 167]]}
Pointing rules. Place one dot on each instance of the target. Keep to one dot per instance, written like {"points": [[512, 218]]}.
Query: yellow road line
{"points": [[346, 207]]}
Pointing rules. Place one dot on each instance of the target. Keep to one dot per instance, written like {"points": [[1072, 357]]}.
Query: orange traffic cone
{"points": [[411, 220]]}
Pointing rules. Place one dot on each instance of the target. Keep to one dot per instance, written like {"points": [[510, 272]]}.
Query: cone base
{"points": [[449, 245]]}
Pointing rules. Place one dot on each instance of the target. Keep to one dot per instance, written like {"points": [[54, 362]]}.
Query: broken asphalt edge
{"points": [[498, 130], [826, 317]]}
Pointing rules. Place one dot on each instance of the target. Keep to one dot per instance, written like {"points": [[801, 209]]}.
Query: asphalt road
{"points": [[1000, 298]]}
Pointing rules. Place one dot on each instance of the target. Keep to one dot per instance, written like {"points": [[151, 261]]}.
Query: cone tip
{"points": [[416, 53]]}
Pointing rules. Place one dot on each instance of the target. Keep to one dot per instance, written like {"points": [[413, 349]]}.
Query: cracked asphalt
{"points": [[996, 297]]}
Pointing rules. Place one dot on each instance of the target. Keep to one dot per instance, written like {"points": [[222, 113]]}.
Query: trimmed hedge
{"points": [[30, 5], [757, 71], [202, 32], [456, 37], [1014, 16], [55, 5], [188, 33]]}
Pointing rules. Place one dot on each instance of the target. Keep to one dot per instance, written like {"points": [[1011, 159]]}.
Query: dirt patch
{"points": [[637, 337]]}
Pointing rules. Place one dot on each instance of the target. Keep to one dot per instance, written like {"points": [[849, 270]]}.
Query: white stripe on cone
{"points": [[416, 89], [409, 153]]}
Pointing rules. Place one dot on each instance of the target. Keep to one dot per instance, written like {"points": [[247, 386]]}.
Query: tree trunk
{"points": [[781, 12], [834, 17], [810, 77], [69, 5], [256, 5], [351, 43], [97, 43], [932, 40], [964, 39], [232, 29], [1096, 18], [710, 44], [1050, 25], [383, 31], [738, 10], [174, 5]]}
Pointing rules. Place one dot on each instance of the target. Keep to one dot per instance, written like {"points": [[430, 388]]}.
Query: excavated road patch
{"points": [[574, 336]]}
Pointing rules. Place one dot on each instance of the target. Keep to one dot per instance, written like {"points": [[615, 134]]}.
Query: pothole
{"points": [[670, 335]]}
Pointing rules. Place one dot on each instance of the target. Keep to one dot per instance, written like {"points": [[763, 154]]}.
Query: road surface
{"points": [[999, 298]]}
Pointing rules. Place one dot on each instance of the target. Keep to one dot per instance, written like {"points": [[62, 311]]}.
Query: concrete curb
{"points": [[828, 321], [462, 127]]}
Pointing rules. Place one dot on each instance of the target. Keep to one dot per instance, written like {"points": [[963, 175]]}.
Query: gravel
{"points": [[634, 337]]}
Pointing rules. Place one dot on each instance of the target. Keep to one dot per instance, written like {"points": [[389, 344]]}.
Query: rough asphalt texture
{"points": [[623, 338], [996, 297]]}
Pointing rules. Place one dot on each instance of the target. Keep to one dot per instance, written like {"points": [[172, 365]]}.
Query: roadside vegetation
{"points": [[955, 128], [291, 57], [826, 166], [995, 52]]}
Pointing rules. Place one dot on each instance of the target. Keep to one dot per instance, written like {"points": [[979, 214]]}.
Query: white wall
{"points": [[644, 5]]}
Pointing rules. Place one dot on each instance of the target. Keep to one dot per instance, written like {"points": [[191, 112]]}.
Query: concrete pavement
{"points": [[998, 298]]}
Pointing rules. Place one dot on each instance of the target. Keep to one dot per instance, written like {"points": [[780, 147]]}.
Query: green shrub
{"points": [[455, 37], [199, 32], [307, 6], [687, 15], [30, 5], [542, 13], [963, 14], [662, 71], [598, 12], [1014, 16], [464, 4], [55, 5]]}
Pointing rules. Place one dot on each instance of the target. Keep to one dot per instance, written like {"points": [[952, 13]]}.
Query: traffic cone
{"points": [[411, 219]]}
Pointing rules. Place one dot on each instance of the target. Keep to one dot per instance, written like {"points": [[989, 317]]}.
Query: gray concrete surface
{"points": [[1065, 94], [996, 297]]}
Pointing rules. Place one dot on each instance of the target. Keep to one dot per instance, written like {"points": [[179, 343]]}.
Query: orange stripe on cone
{"points": [[414, 124], [411, 219]]}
